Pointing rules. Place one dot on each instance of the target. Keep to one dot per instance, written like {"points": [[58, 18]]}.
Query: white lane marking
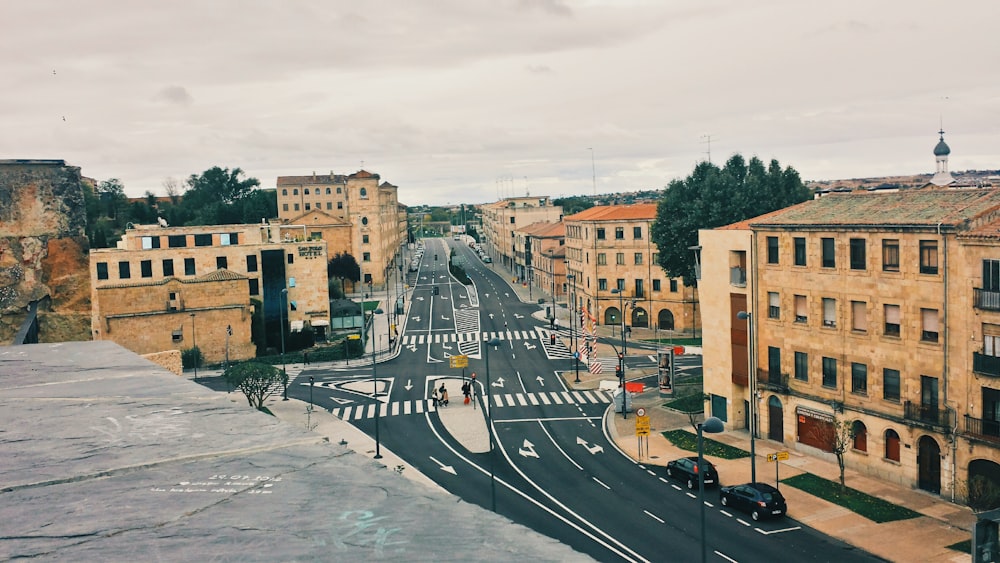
{"points": [[708, 504], [600, 483], [654, 517], [744, 522], [664, 480], [779, 531], [726, 513], [677, 487], [650, 471], [556, 418], [689, 494], [557, 446], [724, 556]]}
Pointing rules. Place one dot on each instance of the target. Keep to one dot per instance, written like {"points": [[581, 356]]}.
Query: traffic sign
{"points": [[354, 337], [777, 456], [458, 361], [641, 425], [641, 411]]}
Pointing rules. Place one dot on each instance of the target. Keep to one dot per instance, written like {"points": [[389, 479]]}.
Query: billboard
{"points": [[665, 372]]}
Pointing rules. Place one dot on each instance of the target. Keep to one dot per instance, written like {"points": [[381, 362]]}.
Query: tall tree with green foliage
{"points": [[217, 195], [343, 266], [712, 197], [257, 381]]}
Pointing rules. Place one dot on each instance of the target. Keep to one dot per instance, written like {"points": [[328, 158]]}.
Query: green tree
{"points": [[573, 204], [216, 196], [257, 381], [111, 194], [343, 266], [712, 197]]}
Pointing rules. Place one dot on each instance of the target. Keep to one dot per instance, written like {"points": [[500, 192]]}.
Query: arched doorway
{"points": [[983, 485], [665, 320], [639, 318], [775, 420], [929, 465], [611, 316]]}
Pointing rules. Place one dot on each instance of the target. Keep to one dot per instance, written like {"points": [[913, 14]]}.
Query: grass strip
{"points": [[872, 508], [690, 404], [689, 441]]}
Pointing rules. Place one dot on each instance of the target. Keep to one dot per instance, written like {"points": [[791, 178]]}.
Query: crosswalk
{"points": [[445, 338], [500, 400]]}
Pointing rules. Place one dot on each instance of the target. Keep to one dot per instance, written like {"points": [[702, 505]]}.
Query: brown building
{"points": [[613, 262], [502, 218], [871, 312], [545, 256], [173, 287]]}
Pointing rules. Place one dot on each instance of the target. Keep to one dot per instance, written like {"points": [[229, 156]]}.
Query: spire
{"points": [[941, 151]]}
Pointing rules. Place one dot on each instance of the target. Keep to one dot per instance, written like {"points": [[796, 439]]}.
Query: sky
{"points": [[470, 101]]}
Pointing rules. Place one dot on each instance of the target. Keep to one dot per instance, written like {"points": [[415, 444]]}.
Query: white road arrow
{"points": [[528, 450], [444, 467], [540, 380], [491, 316], [444, 297], [516, 316], [486, 295], [462, 297], [412, 347], [506, 294], [415, 319], [530, 346], [408, 385], [596, 449], [498, 382], [446, 347], [419, 298], [444, 318]]}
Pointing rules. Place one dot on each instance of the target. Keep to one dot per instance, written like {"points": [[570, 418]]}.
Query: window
{"points": [[802, 366], [800, 251], [305, 191], [929, 318], [254, 286], [366, 256], [620, 284], [327, 190], [329, 205], [221, 262], [308, 206], [251, 262], [928, 257], [801, 309], [203, 240], [773, 305], [150, 242], [339, 190], [364, 194], [316, 235], [602, 284], [189, 267], [295, 191], [638, 258], [102, 270], [829, 259], [891, 445], [124, 271], [364, 221], [991, 275], [772, 250], [773, 363], [284, 191], [364, 239], [890, 384], [829, 372], [991, 340], [656, 285], [600, 234], [620, 258], [226, 239], [340, 205], [296, 206], [512, 222], [673, 286], [859, 378], [168, 267], [619, 233], [176, 241], [640, 290], [859, 254], [290, 258], [368, 279], [146, 268], [892, 318], [602, 259], [637, 233], [859, 436], [829, 312], [284, 207], [859, 316]]}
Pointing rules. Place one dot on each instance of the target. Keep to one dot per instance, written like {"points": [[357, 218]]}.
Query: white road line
{"points": [[557, 446], [676, 487], [779, 531], [553, 419], [664, 480], [726, 513], [600, 483], [744, 522], [692, 495], [654, 517], [533, 399], [544, 398], [708, 504], [650, 471], [724, 556]]}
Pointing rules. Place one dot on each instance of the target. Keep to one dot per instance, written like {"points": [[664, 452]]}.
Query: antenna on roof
{"points": [[708, 139], [593, 169]]}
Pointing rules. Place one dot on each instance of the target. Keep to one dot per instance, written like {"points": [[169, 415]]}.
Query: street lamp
{"points": [[712, 425], [552, 279], [489, 420], [621, 356], [195, 353], [284, 374], [572, 330], [378, 404], [751, 356]]}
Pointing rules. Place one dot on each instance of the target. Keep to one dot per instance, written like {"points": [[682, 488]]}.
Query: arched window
{"points": [[328, 191], [338, 190], [364, 192], [284, 191], [859, 434], [891, 445], [364, 220], [305, 191], [295, 191]]}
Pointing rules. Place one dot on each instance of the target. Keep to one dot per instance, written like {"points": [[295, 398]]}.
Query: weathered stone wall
{"points": [[170, 359], [43, 246]]}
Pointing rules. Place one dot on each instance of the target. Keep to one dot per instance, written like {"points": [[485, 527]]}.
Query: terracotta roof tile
{"points": [[638, 211]]}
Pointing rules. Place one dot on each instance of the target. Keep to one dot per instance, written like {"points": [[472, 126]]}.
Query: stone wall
{"points": [[169, 359]]}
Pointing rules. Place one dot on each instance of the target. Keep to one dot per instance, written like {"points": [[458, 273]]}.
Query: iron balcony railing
{"points": [[986, 365], [986, 300], [777, 382], [982, 428], [930, 414]]}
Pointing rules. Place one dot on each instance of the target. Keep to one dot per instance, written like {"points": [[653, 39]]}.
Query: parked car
{"points": [[413, 266], [487, 259], [685, 470], [759, 499]]}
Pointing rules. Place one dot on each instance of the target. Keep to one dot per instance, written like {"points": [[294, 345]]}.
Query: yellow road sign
{"points": [[459, 361], [777, 456], [642, 426], [354, 337]]}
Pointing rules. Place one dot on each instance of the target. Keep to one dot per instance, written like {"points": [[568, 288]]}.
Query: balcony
{"points": [[777, 382], [986, 300], [986, 365], [738, 277], [988, 430], [929, 414]]}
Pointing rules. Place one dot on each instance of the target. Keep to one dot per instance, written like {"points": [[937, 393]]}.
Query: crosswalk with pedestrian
{"points": [[500, 400]]}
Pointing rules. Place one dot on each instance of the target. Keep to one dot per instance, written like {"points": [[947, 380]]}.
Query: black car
{"points": [[759, 499], [686, 469]]}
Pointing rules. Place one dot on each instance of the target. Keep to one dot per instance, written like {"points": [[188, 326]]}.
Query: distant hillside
{"points": [[967, 177]]}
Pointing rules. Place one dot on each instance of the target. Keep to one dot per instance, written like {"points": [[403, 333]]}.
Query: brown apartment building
{"points": [[502, 218], [613, 262], [875, 312]]}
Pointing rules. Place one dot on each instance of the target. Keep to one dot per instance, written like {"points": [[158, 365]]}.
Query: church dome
{"points": [[942, 148]]}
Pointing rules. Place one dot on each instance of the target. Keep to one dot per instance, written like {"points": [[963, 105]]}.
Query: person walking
{"points": [[467, 390], [443, 391], [435, 399]]}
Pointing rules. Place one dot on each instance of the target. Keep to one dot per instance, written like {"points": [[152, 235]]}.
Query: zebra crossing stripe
{"points": [[383, 409], [359, 412], [498, 400], [510, 399], [544, 398], [407, 406], [395, 409], [568, 397], [420, 407], [533, 399], [347, 413], [590, 397], [521, 401], [578, 397], [556, 399]]}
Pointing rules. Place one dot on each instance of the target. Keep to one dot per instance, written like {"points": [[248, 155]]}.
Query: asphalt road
{"points": [[554, 468]]}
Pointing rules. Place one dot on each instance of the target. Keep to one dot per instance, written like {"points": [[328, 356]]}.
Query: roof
{"points": [[926, 207], [544, 229], [312, 179], [638, 211], [744, 225]]}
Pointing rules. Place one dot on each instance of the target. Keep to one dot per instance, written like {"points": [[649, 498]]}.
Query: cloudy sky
{"points": [[468, 100]]}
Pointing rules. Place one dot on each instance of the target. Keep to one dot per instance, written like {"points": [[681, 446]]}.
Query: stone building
{"points": [[871, 312], [613, 262], [544, 254], [502, 218], [174, 287], [354, 214]]}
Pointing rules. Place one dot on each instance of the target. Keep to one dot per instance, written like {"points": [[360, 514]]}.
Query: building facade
{"points": [[502, 218], [613, 262], [868, 318], [176, 287]]}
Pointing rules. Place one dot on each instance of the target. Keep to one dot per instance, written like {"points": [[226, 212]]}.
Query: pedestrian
{"points": [[444, 395], [467, 390], [434, 398], [305, 358]]}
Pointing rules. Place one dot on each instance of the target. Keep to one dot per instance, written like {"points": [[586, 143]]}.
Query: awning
{"points": [[297, 325], [320, 322]]}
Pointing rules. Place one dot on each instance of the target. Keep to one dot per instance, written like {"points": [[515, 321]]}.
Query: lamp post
{"points": [[572, 330], [195, 353], [751, 356], [712, 425], [489, 420], [621, 356], [284, 374], [378, 404], [552, 280]]}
